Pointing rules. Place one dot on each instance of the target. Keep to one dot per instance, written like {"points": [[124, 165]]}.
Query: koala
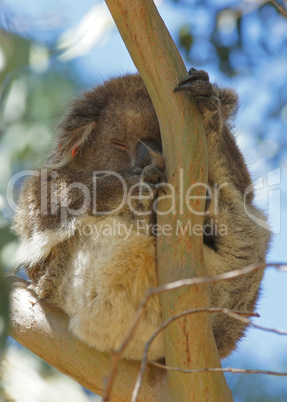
{"points": [[80, 218]]}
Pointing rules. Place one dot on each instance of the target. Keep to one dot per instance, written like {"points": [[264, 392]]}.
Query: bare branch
{"points": [[273, 330], [43, 329], [236, 314], [239, 315], [280, 8], [116, 355], [220, 369], [246, 7], [48, 336]]}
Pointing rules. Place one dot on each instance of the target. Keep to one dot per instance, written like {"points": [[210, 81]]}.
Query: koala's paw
{"points": [[152, 176], [147, 184], [201, 91], [151, 182]]}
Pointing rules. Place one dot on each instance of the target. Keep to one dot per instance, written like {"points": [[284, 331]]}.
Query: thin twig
{"points": [[116, 354], [248, 6], [218, 369], [280, 8], [236, 313], [273, 330], [239, 315]]}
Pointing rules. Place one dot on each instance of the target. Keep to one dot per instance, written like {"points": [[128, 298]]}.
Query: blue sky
{"points": [[46, 21]]}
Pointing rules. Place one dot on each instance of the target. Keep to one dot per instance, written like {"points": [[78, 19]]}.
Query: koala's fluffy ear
{"points": [[74, 130]]}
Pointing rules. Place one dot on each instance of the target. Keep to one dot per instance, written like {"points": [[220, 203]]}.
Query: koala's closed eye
{"points": [[120, 145]]}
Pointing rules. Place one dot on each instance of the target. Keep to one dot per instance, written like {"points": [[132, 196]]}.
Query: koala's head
{"points": [[113, 127]]}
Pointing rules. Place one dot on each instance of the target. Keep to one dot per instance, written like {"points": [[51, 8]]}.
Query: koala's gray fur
{"points": [[99, 281]]}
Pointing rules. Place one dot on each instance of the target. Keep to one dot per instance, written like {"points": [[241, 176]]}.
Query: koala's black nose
{"points": [[144, 153], [143, 157]]}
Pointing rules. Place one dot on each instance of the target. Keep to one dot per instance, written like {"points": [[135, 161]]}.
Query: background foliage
{"points": [[49, 51]]}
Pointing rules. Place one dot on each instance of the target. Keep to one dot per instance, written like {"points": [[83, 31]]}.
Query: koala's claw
{"points": [[194, 75], [151, 174], [202, 91], [161, 174], [156, 187]]}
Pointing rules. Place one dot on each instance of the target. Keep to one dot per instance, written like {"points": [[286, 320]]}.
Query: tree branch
{"points": [[223, 370], [43, 329], [280, 8]]}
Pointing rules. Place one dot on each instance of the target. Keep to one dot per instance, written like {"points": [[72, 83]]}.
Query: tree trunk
{"points": [[189, 342]]}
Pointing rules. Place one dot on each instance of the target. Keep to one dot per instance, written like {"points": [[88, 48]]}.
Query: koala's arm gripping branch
{"points": [[44, 330], [189, 342]]}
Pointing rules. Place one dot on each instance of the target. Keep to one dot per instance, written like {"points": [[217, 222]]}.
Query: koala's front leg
{"points": [[228, 176], [231, 239], [225, 162]]}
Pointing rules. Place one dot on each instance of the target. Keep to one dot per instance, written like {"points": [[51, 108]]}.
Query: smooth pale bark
{"points": [[189, 342], [44, 330]]}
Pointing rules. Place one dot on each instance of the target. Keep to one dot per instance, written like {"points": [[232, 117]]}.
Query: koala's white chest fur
{"points": [[106, 280]]}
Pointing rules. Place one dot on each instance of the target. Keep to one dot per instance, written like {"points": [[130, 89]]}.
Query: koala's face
{"points": [[118, 141], [122, 127]]}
